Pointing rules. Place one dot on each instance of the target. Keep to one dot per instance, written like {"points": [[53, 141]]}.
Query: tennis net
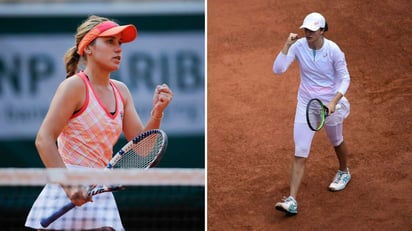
{"points": [[153, 199]]}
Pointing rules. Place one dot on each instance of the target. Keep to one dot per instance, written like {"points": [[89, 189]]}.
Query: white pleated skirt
{"points": [[102, 212]]}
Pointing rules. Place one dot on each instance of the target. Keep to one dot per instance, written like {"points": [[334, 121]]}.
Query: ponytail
{"points": [[71, 60]]}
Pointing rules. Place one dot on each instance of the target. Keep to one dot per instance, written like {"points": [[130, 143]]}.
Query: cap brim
{"points": [[312, 28], [128, 32]]}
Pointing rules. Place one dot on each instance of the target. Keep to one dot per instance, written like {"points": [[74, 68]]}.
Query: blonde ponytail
{"points": [[71, 59]]}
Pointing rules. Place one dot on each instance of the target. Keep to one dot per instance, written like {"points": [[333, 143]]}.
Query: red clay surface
{"points": [[250, 118]]}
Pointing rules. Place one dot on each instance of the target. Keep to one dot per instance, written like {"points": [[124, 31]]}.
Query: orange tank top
{"points": [[88, 138]]}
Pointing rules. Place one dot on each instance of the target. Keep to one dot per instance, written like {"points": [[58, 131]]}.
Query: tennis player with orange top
{"points": [[87, 115]]}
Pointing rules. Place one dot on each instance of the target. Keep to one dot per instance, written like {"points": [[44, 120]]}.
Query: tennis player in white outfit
{"points": [[323, 75]]}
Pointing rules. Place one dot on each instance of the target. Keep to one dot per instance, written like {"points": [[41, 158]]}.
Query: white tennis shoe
{"points": [[340, 181], [288, 205]]}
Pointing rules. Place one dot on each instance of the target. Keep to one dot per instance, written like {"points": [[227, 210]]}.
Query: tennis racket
{"points": [[316, 113], [144, 151]]}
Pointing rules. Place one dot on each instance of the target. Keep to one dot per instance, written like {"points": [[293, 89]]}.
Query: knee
{"points": [[336, 141]]}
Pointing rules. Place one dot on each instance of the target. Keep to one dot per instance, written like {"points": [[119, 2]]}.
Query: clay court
{"points": [[251, 112]]}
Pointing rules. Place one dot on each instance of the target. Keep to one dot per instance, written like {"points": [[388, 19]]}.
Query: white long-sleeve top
{"points": [[323, 72]]}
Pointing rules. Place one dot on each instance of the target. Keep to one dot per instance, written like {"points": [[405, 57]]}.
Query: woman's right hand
{"points": [[292, 39], [77, 194]]}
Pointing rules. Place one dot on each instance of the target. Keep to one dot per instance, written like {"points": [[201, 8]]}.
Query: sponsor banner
{"points": [[32, 67]]}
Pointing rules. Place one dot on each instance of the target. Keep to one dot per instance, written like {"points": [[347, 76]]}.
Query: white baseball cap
{"points": [[313, 22]]}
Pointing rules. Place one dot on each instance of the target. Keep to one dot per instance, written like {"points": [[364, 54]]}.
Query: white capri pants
{"points": [[303, 136]]}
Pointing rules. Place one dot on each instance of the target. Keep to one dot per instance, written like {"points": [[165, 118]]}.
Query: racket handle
{"points": [[48, 220]]}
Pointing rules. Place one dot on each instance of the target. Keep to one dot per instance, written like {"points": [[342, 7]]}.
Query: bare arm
{"points": [[132, 124], [68, 98]]}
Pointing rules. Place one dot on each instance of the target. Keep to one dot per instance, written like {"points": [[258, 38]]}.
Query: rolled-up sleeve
{"points": [[342, 73]]}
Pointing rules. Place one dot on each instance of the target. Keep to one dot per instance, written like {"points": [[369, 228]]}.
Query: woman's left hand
{"points": [[331, 107], [161, 99]]}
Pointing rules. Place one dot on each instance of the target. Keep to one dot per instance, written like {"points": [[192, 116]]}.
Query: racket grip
{"points": [[48, 220]]}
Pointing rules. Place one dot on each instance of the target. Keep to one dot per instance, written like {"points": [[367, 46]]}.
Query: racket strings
{"points": [[142, 154], [315, 115]]}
